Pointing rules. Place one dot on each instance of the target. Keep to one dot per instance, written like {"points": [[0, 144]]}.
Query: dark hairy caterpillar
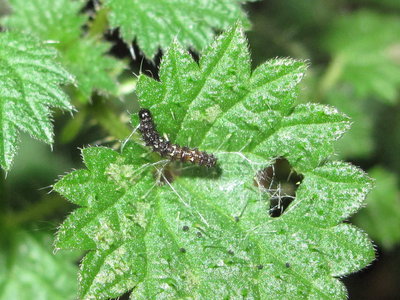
{"points": [[172, 151]]}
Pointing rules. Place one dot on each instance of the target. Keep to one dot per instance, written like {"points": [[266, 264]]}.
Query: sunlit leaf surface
{"points": [[167, 231]]}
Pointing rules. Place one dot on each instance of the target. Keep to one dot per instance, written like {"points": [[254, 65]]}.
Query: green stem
{"points": [[100, 24], [73, 127], [109, 120], [36, 211]]}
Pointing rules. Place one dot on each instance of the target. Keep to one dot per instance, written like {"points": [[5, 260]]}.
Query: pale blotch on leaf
{"points": [[140, 216], [122, 174]]}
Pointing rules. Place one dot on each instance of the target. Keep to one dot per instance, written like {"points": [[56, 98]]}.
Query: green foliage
{"points": [[381, 217], [384, 3], [207, 234], [29, 79], [365, 46], [30, 270], [60, 21], [155, 24], [358, 141]]}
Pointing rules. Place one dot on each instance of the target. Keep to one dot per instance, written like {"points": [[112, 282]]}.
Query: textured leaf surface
{"points": [[381, 217], [29, 86], [156, 23], [60, 21], [366, 44], [30, 270], [207, 233]]}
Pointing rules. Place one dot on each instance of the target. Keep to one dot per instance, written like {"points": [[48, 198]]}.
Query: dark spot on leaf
{"points": [[230, 252], [182, 250], [237, 219], [185, 228], [281, 182]]}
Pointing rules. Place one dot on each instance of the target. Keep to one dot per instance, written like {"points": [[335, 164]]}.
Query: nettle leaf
{"points": [[365, 45], [165, 231], [57, 20], [93, 69], [155, 24], [381, 217], [30, 270], [60, 21], [29, 86]]}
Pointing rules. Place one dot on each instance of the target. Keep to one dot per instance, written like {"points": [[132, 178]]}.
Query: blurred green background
{"points": [[353, 47]]}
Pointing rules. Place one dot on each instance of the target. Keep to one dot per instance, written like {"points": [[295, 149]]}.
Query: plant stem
{"points": [[35, 211], [109, 120]]}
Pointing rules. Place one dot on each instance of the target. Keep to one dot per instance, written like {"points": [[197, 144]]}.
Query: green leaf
{"points": [[60, 21], [221, 105], [29, 269], [167, 231], [365, 43], [155, 24], [29, 79], [381, 217], [56, 20], [93, 69], [358, 142]]}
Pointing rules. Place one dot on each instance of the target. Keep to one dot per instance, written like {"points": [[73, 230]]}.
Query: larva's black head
{"points": [[144, 114]]}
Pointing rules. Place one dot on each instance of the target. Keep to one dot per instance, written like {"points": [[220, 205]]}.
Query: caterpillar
{"points": [[166, 149]]}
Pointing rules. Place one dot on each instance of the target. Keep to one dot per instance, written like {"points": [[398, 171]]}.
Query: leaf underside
{"points": [[207, 233], [29, 86]]}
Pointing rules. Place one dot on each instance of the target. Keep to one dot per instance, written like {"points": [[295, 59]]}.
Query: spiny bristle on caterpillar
{"points": [[172, 151]]}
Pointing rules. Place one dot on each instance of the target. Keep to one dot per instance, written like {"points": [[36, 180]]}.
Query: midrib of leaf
{"points": [[228, 218], [206, 75], [239, 101], [181, 24], [143, 13], [252, 238], [50, 92], [97, 214], [96, 271], [146, 272], [160, 214], [227, 111], [176, 69], [21, 89]]}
